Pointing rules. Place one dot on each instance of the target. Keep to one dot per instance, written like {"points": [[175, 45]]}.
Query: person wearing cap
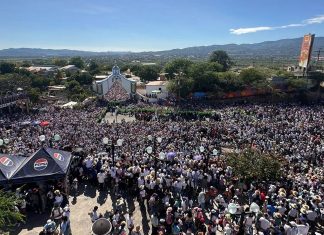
{"points": [[293, 212], [49, 227]]}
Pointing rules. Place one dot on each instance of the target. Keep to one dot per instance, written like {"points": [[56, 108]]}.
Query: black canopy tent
{"points": [[8, 165], [44, 164]]}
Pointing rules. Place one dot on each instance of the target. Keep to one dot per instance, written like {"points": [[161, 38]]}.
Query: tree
{"points": [[34, 94], [229, 81], [9, 216], [222, 58], [82, 78], [299, 84], [204, 75], [252, 77], [75, 91], [176, 66], [149, 72], [181, 86], [60, 62], [73, 85], [253, 165], [6, 67], [77, 61], [135, 69], [40, 82], [26, 63], [94, 67]]}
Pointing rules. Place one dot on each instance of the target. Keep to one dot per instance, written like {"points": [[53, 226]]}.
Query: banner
{"points": [[306, 50]]}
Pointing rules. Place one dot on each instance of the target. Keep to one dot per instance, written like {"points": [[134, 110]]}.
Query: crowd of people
{"points": [[183, 193], [117, 92]]}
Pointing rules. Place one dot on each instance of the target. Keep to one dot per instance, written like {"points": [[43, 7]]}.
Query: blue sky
{"points": [[138, 25]]}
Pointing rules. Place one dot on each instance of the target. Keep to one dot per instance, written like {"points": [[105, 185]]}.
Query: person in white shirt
{"points": [[101, 176], [227, 230], [264, 224], [94, 216], [58, 199], [291, 228], [201, 200]]}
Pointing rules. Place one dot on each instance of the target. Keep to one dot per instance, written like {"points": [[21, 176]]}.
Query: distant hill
{"points": [[38, 52], [278, 49]]}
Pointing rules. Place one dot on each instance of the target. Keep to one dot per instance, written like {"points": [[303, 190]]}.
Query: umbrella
{"points": [[44, 123], [171, 155], [25, 123], [36, 123]]}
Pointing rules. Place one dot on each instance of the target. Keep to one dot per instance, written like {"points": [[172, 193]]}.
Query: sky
{"points": [[151, 25]]}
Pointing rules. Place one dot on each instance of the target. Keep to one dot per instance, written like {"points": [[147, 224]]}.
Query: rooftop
{"points": [[156, 83]]}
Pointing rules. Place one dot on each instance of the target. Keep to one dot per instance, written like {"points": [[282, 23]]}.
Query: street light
{"points": [[149, 149], [42, 139], [57, 137], [120, 142], [108, 143], [254, 207], [162, 156], [6, 141]]}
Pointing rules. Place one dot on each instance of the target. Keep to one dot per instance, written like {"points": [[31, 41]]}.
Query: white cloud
{"points": [[291, 25], [315, 20], [249, 30]]}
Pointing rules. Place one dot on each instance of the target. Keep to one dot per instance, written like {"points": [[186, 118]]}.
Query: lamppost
{"points": [[202, 149], [149, 150], [42, 139], [4, 142], [56, 138], [110, 143]]}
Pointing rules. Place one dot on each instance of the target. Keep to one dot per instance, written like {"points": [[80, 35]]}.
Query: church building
{"points": [[115, 87]]}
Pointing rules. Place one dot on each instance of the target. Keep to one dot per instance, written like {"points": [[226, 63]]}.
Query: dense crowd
{"points": [[117, 92], [182, 193]]}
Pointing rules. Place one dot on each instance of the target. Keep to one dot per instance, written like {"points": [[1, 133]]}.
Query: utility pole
{"points": [[318, 56]]}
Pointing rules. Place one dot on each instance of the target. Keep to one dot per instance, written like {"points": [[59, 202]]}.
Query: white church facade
{"points": [[115, 86]]}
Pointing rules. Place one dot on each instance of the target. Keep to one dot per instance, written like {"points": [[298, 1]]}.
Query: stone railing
{"points": [[8, 100]]}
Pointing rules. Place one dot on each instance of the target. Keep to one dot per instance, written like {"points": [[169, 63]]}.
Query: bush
{"points": [[253, 165]]}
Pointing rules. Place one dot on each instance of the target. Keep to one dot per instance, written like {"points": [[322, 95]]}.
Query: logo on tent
{"points": [[40, 164], [6, 161], [59, 157]]}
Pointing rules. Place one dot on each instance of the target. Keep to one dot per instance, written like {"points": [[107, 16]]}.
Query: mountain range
{"points": [[283, 48]]}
